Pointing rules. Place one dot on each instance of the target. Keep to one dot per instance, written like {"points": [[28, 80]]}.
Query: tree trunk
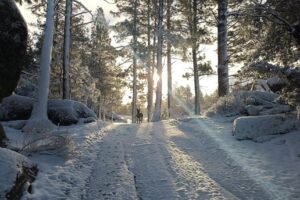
{"points": [[169, 60], [158, 101], [149, 67], [223, 79], [39, 121], [134, 88], [67, 46], [194, 54], [196, 83]]}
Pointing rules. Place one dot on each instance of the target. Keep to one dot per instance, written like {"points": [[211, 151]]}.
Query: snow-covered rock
{"points": [[2, 136], [63, 112], [261, 110], [18, 124], [16, 107], [258, 126], [236, 104], [276, 83], [278, 109], [116, 118], [14, 169], [66, 112], [253, 110]]}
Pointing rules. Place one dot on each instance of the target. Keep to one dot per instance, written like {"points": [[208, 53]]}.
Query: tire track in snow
{"points": [[110, 178], [192, 180], [152, 178], [162, 171]]}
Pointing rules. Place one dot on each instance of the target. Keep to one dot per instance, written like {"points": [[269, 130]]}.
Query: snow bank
{"points": [[12, 166], [261, 127], [63, 112]]}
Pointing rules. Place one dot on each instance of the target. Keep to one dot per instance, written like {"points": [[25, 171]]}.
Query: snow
{"points": [[191, 158], [10, 166]]}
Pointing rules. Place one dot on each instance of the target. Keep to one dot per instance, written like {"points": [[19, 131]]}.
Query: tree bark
{"points": [[169, 60], [158, 100], [67, 46], [223, 80], [134, 67], [194, 54], [149, 66]]}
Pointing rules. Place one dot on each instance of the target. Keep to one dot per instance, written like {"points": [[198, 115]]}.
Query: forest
{"points": [[149, 99], [85, 66]]}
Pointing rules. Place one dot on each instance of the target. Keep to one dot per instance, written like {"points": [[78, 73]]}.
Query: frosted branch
{"points": [[84, 7]]}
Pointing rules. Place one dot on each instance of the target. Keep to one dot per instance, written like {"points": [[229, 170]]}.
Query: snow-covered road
{"points": [[168, 160], [193, 158]]}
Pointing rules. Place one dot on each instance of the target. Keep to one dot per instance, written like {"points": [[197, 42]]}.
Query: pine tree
{"points": [[102, 64], [197, 34], [169, 59], [158, 101], [223, 79]]}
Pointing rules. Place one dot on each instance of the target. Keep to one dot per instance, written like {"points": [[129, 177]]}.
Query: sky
{"points": [[208, 84]]}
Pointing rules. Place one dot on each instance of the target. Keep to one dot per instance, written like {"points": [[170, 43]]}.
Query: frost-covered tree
{"points": [[67, 47], [128, 32], [265, 30], [102, 64], [196, 33], [39, 121], [169, 58]]}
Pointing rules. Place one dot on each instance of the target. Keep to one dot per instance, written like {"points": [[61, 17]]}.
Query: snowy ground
{"points": [[193, 158]]}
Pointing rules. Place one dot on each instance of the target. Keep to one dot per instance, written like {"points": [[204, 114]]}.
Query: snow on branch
{"points": [[293, 74], [85, 8]]}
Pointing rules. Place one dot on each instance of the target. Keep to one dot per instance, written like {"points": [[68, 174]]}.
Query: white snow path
{"points": [[164, 172], [188, 159], [110, 177]]}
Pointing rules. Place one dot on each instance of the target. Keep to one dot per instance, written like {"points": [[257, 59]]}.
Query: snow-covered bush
{"points": [[228, 106], [57, 142]]}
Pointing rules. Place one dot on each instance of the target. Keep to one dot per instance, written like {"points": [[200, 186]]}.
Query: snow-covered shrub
{"points": [[58, 142], [228, 106]]}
